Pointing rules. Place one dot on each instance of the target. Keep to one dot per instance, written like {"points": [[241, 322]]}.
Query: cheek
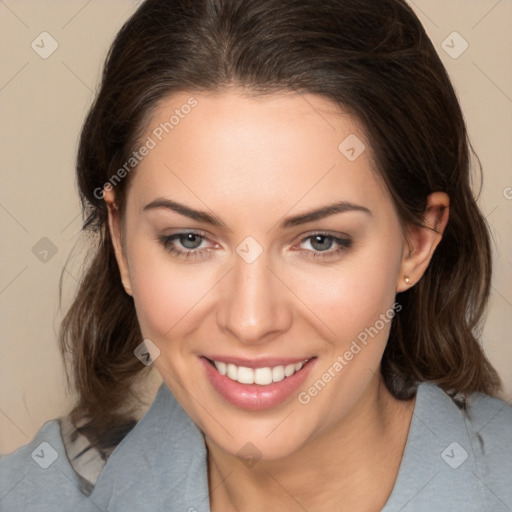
{"points": [[351, 295], [166, 293], [356, 302]]}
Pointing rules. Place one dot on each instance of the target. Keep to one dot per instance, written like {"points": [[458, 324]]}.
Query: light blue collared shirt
{"points": [[453, 461]]}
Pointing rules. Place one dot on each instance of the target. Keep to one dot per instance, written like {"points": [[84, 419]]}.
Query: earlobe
{"points": [[114, 226], [421, 241]]}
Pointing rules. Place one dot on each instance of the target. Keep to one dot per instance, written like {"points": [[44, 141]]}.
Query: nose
{"points": [[255, 304]]}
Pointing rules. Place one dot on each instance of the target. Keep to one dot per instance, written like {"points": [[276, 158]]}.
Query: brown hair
{"points": [[379, 64]]}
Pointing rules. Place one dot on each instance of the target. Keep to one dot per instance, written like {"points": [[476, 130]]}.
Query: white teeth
{"points": [[289, 370], [261, 376], [278, 373], [232, 372], [222, 367], [245, 375]]}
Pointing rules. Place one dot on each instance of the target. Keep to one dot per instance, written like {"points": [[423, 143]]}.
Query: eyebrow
{"points": [[295, 220]]}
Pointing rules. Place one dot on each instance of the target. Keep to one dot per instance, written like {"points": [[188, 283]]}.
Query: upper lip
{"points": [[257, 362]]}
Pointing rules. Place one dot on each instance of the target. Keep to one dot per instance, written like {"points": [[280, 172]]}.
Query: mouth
{"points": [[256, 385], [261, 376]]}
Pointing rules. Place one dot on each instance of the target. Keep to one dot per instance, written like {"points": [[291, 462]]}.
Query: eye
{"points": [[325, 245], [186, 244]]}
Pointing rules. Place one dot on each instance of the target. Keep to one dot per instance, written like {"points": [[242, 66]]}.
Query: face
{"points": [[253, 286]]}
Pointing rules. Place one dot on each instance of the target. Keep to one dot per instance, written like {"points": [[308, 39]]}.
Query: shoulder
{"points": [[37, 476], [491, 418], [159, 465], [477, 432], [458, 455], [486, 419], [489, 423]]}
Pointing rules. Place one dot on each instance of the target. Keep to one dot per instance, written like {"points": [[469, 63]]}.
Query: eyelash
{"points": [[343, 245]]}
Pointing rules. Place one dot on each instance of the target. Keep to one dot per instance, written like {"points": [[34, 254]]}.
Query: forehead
{"points": [[250, 150]]}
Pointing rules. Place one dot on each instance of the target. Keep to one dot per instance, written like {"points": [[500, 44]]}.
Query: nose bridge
{"points": [[253, 303]]}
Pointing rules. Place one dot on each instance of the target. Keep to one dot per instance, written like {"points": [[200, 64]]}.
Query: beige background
{"points": [[43, 103]]}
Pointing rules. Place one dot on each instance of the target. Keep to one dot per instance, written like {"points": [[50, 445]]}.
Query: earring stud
{"points": [[407, 280]]}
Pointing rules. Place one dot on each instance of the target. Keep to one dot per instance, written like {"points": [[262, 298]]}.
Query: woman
{"points": [[286, 230]]}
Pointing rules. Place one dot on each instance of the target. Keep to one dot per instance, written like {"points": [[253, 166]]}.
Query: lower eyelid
{"points": [[333, 254]]}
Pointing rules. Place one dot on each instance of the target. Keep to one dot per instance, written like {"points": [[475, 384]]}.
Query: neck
{"points": [[353, 467]]}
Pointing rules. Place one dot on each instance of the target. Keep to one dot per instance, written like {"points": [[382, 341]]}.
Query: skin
{"points": [[251, 162]]}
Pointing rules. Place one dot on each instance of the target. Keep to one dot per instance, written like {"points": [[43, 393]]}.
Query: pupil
{"points": [[189, 239], [321, 238]]}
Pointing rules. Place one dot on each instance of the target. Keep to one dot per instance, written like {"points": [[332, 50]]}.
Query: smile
{"points": [[256, 385], [260, 376]]}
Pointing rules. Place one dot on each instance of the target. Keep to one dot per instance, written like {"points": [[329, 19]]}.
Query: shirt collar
{"points": [[159, 465]]}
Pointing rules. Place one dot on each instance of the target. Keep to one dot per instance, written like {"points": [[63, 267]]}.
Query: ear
{"points": [[421, 241], [114, 225]]}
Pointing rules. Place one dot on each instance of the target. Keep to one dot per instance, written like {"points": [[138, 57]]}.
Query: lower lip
{"points": [[252, 396]]}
